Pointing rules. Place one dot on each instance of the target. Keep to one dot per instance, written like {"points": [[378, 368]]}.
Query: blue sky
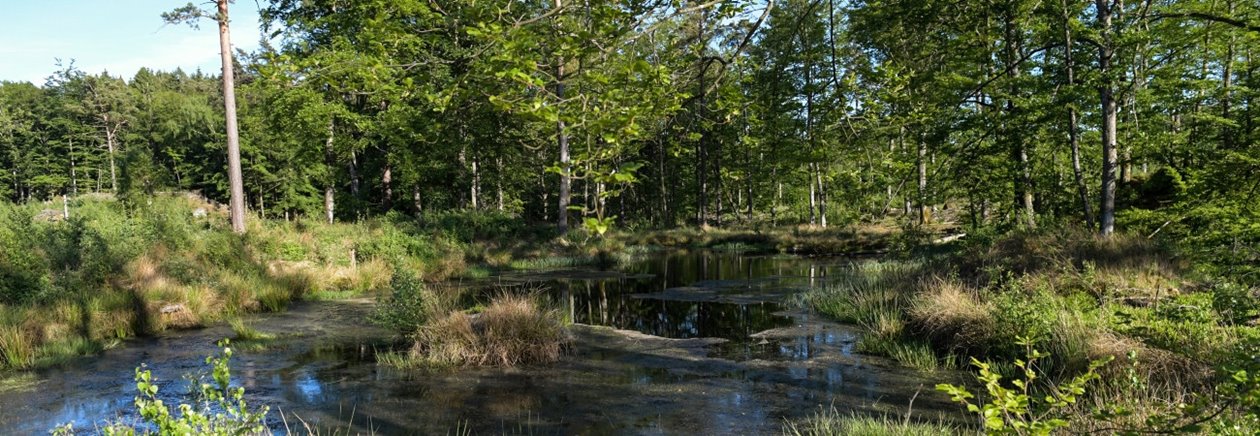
{"points": [[118, 36]]}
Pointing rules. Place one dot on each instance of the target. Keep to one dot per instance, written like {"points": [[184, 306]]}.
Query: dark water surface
{"points": [[700, 342]]}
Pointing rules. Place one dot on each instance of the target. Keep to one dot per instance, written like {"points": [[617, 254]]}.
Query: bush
{"points": [[1163, 187], [404, 309], [1014, 408]]}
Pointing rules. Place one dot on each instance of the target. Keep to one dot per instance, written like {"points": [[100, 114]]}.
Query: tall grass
{"points": [[118, 269], [831, 422], [514, 329]]}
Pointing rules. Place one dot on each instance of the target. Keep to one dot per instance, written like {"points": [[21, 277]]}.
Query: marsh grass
{"points": [[1081, 298], [243, 331], [550, 262], [832, 422], [115, 271], [16, 348], [513, 329]]}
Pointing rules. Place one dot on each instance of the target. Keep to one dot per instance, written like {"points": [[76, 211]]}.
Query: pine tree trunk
{"points": [[236, 182]]}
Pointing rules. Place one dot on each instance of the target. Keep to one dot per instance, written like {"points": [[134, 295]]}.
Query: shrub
{"points": [[404, 309], [1015, 408], [1163, 187]]}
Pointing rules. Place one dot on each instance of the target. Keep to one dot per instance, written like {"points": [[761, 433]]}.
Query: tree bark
{"points": [[387, 185], [1074, 137], [74, 177], [236, 183], [822, 198], [921, 162], [329, 161], [498, 181], [110, 144], [562, 139], [1106, 92], [1023, 180]]}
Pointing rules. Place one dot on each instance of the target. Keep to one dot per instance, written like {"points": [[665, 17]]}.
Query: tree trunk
{"points": [[475, 194], [1074, 137], [822, 198], [1227, 75], [812, 203], [921, 163], [498, 181], [416, 200], [354, 174], [562, 139], [110, 145], [330, 161], [74, 177], [236, 182], [1023, 180], [1106, 91], [387, 185]]}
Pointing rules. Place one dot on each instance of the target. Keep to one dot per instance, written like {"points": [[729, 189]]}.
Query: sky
{"points": [[118, 36]]}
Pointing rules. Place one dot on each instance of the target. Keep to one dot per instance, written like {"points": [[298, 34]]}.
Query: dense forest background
{"points": [[1007, 113]]}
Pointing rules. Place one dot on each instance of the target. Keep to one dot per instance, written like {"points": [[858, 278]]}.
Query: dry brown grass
{"points": [[513, 330], [17, 349], [950, 313], [1153, 385]]}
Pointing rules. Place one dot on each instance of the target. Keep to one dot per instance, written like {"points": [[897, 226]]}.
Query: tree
{"points": [[191, 14]]}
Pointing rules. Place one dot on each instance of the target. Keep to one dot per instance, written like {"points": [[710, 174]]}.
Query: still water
{"points": [[697, 342]]}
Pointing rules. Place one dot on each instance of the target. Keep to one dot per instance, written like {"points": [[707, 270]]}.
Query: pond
{"points": [[695, 342]]}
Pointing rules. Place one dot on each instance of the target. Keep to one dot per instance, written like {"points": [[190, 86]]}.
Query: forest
{"points": [[1061, 197]]}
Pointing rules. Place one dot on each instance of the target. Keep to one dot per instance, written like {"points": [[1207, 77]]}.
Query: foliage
{"points": [[222, 410], [1021, 408], [405, 308]]}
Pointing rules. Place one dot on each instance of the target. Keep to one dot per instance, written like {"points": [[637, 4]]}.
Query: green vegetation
{"points": [[1080, 174], [832, 422], [117, 269], [222, 411], [512, 329], [1171, 333]]}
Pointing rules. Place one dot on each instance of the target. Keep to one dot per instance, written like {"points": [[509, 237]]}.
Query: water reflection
{"points": [[692, 295], [746, 385]]}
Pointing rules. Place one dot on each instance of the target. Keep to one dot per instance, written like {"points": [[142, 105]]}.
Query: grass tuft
{"points": [[831, 422]]}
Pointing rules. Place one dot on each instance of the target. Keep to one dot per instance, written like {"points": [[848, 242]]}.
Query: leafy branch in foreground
{"points": [[221, 412], [1017, 409]]}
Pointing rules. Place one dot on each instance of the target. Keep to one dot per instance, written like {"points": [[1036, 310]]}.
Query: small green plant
{"points": [[1018, 409], [222, 410]]}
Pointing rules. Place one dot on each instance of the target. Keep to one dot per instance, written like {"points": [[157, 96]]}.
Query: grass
{"points": [[831, 422], [513, 329], [118, 270], [1079, 297], [242, 331]]}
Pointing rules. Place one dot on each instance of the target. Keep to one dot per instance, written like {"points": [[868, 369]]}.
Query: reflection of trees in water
{"points": [[610, 302]]}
